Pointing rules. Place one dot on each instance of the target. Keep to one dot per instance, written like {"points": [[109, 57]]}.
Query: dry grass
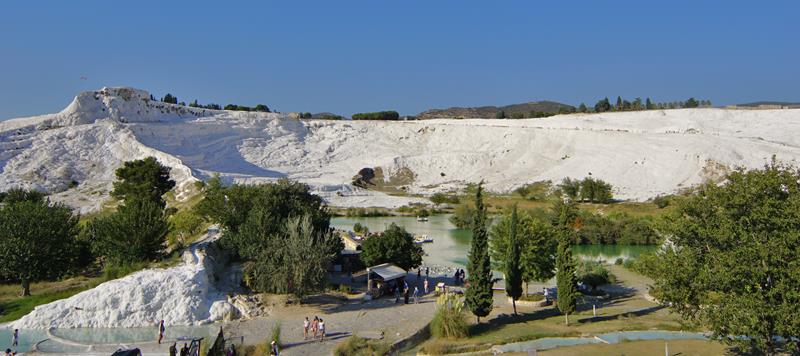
{"points": [[651, 347]]}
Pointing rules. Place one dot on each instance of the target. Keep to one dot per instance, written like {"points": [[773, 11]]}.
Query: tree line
{"points": [[172, 99], [604, 105], [378, 115]]}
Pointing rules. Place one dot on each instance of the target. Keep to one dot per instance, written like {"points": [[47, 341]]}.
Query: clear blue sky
{"points": [[350, 56]]}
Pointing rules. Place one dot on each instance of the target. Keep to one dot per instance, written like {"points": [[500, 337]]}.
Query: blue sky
{"points": [[351, 56]]}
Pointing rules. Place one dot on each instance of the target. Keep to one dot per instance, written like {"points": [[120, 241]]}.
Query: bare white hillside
{"points": [[643, 154]]}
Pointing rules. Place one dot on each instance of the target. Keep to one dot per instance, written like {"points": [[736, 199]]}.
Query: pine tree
{"points": [[565, 275], [513, 270], [648, 104], [582, 108], [478, 295], [619, 103]]}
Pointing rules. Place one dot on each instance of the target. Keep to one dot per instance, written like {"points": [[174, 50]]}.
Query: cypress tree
{"points": [[513, 270], [479, 292], [565, 275]]}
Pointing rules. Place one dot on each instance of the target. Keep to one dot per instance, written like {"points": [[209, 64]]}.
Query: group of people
{"points": [[317, 326], [173, 350], [459, 276], [408, 294]]}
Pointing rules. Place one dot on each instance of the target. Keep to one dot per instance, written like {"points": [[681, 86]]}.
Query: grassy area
{"points": [[651, 347], [628, 311], [13, 307]]}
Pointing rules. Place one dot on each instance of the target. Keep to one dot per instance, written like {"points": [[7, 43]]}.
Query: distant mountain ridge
{"points": [[489, 112], [771, 103]]}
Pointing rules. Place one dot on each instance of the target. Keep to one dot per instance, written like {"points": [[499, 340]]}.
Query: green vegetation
{"points": [[604, 105], [38, 240], [380, 115], [734, 265], [593, 274], [257, 108], [442, 198], [478, 295], [463, 216], [395, 245], [359, 346], [565, 265], [170, 99], [280, 230], [537, 244], [136, 232], [142, 179], [587, 190], [513, 270], [449, 322]]}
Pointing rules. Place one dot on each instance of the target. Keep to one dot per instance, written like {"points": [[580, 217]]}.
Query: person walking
{"points": [[185, 350], [425, 285], [306, 325], [173, 349], [161, 330], [321, 330], [315, 326], [419, 273], [427, 270], [273, 349], [416, 295], [405, 295], [15, 338]]}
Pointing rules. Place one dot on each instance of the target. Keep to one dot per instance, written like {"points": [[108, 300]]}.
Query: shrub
{"points": [[593, 274], [276, 333], [359, 346], [462, 216], [619, 261], [661, 202], [448, 321]]}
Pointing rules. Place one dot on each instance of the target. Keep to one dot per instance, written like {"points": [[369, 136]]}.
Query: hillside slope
{"points": [[643, 154]]}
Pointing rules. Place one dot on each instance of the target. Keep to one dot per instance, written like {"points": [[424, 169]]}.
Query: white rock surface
{"points": [[182, 295], [642, 154]]}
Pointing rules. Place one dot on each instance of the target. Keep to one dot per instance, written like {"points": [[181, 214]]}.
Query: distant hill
{"points": [[771, 103], [489, 112]]}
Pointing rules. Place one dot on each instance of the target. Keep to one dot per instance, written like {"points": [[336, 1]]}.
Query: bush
{"points": [[619, 261], [661, 202], [344, 289], [462, 216], [532, 298], [380, 115], [111, 271], [359, 346], [594, 274], [275, 336], [441, 198], [448, 321]]}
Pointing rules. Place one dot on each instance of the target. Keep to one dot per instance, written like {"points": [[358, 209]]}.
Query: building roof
{"points": [[388, 271]]}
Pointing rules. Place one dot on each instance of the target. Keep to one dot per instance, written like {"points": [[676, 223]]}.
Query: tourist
{"points": [[185, 350], [419, 273], [425, 285], [231, 351], [15, 338], [405, 295], [8, 352], [306, 325], [416, 295], [396, 294], [315, 326], [273, 349], [161, 330], [321, 330], [427, 271], [173, 349]]}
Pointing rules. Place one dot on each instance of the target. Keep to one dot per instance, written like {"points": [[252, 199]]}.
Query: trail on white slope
{"points": [[642, 154]]}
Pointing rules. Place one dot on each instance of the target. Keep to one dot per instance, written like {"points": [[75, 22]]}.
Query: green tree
{"points": [[500, 115], [649, 104], [582, 108], [169, 98], [602, 105], [396, 246], [136, 232], [16, 195], [570, 187], [512, 269], [478, 295], [733, 265], [538, 255], [618, 107], [294, 260], [566, 281], [463, 216], [691, 103], [38, 240], [592, 274], [261, 108], [142, 179]]}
